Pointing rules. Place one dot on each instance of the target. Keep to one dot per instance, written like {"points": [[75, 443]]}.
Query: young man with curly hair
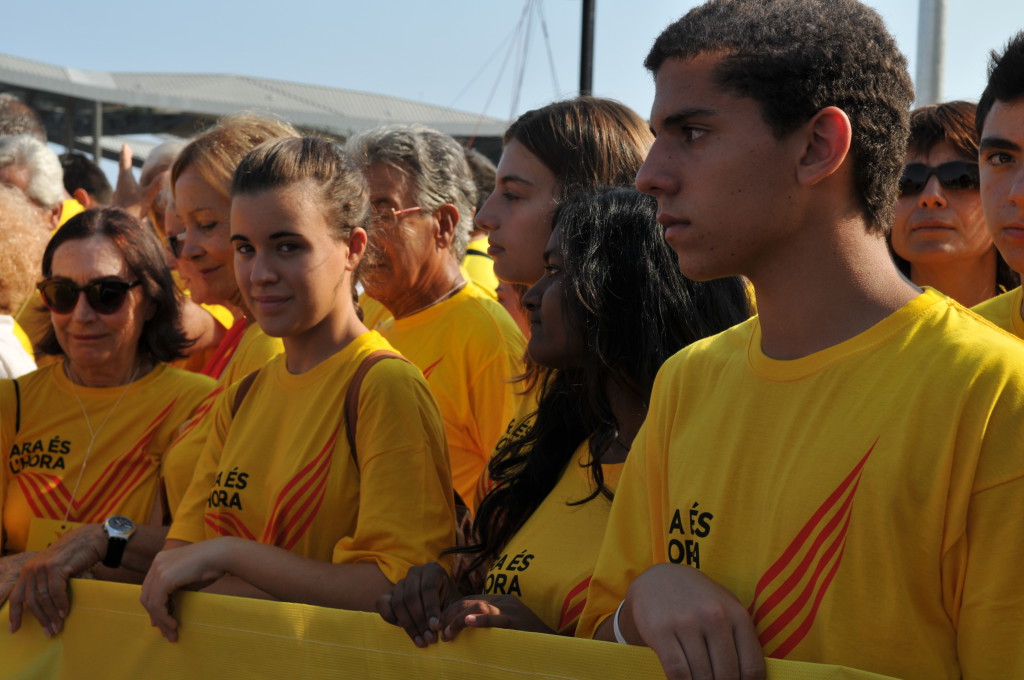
{"points": [[838, 480]]}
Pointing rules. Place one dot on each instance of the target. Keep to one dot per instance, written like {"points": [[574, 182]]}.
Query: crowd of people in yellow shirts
{"points": [[386, 375]]}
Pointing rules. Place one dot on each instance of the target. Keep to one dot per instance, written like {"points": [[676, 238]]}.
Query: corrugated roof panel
{"points": [[338, 110]]}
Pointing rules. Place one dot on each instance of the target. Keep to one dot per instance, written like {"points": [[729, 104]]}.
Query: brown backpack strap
{"points": [[352, 395], [243, 389]]}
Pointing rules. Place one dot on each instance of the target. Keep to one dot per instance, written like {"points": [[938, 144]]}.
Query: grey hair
{"points": [[435, 163], [161, 157], [46, 177]]}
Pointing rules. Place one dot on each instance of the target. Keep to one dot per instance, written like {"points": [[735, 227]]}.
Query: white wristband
{"points": [[615, 626]]}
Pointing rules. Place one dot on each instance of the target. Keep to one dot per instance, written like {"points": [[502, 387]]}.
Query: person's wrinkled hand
{"points": [[697, 627], [175, 569], [416, 602], [490, 611], [129, 195], [42, 585], [10, 569]]}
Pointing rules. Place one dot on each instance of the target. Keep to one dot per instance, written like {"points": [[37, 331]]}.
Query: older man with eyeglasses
{"points": [[466, 344]]}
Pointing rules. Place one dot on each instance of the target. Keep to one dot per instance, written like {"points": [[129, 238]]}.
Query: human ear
{"points": [[356, 248], [82, 196], [448, 221], [826, 138]]}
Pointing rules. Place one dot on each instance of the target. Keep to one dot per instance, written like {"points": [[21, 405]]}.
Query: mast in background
{"points": [[587, 49], [931, 44]]}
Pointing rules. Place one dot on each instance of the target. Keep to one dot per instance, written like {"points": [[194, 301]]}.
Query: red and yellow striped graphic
{"points": [[294, 509], [430, 369], [228, 524], [200, 413], [572, 607], [789, 594], [49, 497]]}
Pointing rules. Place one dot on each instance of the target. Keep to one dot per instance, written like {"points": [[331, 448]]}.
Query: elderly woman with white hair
{"points": [[29, 165]]}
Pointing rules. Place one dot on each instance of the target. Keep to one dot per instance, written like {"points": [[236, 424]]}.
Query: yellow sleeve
{"points": [[495, 404], [628, 546], [179, 462], [990, 631], [223, 315], [983, 590], [406, 506], [188, 522], [255, 349]]}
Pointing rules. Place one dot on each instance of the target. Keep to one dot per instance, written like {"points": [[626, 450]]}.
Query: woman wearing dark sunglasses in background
{"points": [[82, 439], [939, 236]]}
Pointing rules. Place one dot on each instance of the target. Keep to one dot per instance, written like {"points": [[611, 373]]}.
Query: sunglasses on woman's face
{"points": [[952, 175], [105, 296]]}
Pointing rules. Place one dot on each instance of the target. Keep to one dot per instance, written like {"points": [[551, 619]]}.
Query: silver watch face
{"points": [[119, 526]]}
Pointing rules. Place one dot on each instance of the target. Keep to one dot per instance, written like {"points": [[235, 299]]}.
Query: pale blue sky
{"points": [[428, 51]]}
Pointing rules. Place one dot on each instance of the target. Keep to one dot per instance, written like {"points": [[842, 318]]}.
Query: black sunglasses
{"points": [[105, 296], [952, 175], [176, 243]]}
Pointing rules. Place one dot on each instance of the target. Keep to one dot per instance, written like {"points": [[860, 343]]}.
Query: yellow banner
{"points": [[108, 637]]}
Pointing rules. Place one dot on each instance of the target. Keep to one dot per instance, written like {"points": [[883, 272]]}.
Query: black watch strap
{"points": [[115, 551]]}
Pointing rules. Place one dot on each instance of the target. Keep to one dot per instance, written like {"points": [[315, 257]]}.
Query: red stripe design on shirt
{"points": [[48, 496], [573, 607], [38, 491], [305, 490], [200, 413], [430, 369], [807, 567], [227, 524]]}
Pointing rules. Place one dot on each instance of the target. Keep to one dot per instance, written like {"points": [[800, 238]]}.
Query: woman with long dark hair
{"points": [[609, 309]]}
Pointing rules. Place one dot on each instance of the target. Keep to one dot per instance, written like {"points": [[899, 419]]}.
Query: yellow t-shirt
{"points": [[865, 501], [281, 471], [374, 313], [1004, 311], [525, 412], [469, 349], [45, 473], [548, 563], [179, 462], [254, 350], [69, 209], [477, 266]]}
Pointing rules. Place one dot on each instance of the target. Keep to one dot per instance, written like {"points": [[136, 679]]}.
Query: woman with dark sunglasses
{"points": [[939, 235], [83, 439]]}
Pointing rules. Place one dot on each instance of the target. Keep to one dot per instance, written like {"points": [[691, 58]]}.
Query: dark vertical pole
{"points": [[70, 112], [587, 49], [97, 131]]}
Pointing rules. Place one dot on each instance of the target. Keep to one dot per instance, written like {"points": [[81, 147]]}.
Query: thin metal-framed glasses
{"points": [[389, 218]]}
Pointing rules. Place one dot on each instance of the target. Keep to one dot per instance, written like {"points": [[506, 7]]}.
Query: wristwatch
{"points": [[119, 530]]}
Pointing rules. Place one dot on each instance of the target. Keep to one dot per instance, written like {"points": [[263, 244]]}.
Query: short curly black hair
{"points": [[1005, 79], [796, 57]]}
